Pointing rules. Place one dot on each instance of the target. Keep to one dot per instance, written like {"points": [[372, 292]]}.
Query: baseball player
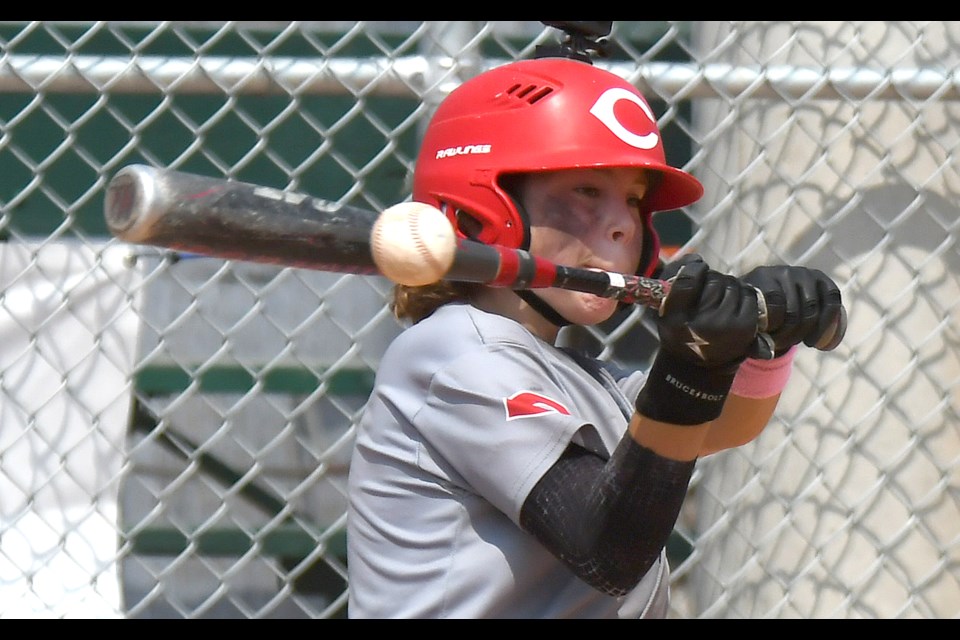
{"points": [[497, 475]]}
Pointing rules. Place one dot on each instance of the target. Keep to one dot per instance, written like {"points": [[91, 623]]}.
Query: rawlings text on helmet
{"points": [[464, 150], [603, 108]]}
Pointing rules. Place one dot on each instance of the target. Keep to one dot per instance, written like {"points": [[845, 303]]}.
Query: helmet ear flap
{"points": [[511, 185], [478, 228], [468, 225], [494, 216]]}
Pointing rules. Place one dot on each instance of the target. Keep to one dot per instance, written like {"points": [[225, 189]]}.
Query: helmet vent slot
{"points": [[530, 93]]}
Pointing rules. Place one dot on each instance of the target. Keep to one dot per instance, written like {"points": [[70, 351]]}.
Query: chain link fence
{"points": [[175, 431]]}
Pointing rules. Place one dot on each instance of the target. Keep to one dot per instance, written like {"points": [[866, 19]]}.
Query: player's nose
{"points": [[621, 223]]}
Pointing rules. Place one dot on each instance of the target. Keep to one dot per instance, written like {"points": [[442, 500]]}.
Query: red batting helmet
{"points": [[540, 115]]}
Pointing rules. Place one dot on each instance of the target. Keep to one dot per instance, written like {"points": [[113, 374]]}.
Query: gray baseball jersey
{"points": [[468, 412]]}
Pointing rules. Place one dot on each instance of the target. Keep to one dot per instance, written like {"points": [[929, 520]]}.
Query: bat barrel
{"points": [[235, 220]]}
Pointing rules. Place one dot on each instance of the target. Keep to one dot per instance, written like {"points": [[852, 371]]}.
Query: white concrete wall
{"points": [[848, 504], [67, 336]]}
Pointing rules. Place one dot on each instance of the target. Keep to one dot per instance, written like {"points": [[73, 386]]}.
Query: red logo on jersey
{"points": [[526, 404]]}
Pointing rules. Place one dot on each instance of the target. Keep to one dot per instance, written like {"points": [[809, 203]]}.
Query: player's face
{"points": [[587, 218]]}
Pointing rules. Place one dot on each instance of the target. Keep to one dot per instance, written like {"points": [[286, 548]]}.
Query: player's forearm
{"points": [[742, 420], [677, 442], [740, 413], [750, 405]]}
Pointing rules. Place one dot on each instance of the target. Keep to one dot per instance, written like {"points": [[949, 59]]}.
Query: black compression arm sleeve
{"points": [[608, 520]]}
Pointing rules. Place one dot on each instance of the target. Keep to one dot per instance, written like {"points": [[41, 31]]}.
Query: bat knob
{"points": [[834, 335]]}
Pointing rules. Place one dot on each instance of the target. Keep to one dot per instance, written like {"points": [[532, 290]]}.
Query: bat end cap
{"points": [[832, 338], [125, 201]]}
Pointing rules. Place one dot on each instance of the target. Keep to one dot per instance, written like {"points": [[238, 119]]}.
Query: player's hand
{"points": [[669, 270], [707, 326], [709, 319], [802, 304]]}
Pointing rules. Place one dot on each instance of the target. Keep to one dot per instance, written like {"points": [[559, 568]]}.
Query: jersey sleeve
{"points": [[630, 383], [500, 420]]}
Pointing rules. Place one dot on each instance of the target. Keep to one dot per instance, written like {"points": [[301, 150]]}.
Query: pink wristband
{"points": [[763, 378]]}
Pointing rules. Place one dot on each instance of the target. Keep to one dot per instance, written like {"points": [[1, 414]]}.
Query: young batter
{"points": [[496, 475]]}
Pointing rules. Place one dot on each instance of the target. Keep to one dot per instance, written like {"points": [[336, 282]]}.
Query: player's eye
{"points": [[591, 192]]}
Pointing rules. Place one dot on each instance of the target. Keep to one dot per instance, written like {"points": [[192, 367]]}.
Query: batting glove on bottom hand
{"points": [[802, 304]]}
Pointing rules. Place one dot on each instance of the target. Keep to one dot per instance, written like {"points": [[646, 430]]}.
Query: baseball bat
{"points": [[229, 219]]}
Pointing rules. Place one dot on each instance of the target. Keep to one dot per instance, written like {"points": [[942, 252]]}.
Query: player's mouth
{"points": [[593, 301]]}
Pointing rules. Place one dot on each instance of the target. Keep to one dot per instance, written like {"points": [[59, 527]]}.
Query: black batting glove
{"points": [[707, 327], [709, 319], [802, 304], [669, 270]]}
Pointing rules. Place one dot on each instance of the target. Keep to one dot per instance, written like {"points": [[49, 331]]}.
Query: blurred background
{"points": [[175, 432]]}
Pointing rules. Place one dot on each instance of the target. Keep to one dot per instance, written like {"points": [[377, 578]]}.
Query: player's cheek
{"points": [[602, 306]]}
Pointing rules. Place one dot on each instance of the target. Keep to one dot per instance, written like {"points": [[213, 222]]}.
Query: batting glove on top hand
{"points": [[802, 304], [709, 319]]}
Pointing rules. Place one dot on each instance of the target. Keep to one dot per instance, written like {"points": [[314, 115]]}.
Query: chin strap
{"points": [[541, 307]]}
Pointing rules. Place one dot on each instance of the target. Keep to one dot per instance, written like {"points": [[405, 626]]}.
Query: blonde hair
{"points": [[416, 303]]}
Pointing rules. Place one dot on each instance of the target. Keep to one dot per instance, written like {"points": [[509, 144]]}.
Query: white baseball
{"points": [[413, 243]]}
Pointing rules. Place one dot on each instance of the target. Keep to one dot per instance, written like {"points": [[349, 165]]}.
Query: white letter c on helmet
{"points": [[602, 109]]}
